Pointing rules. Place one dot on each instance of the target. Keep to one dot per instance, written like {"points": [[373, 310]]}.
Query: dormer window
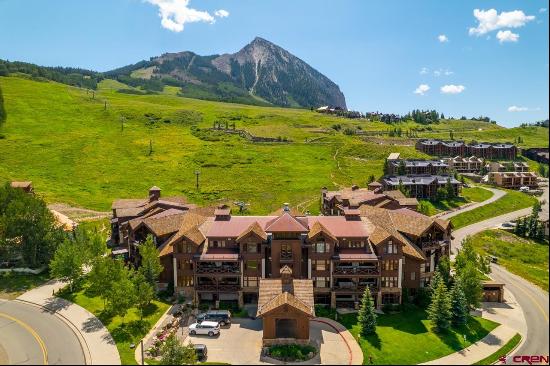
{"points": [[390, 248], [322, 247]]}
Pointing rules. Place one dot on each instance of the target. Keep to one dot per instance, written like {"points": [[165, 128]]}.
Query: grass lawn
{"points": [[472, 194], [503, 351], [14, 284], [476, 194], [76, 151], [125, 330], [512, 201], [406, 338], [524, 257]]}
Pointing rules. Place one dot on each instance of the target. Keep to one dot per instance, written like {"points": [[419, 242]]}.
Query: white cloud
{"points": [[515, 108], [175, 13], [507, 36], [452, 89], [221, 13], [445, 72], [442, 38], [422, 89], [542, 10], [424, 71], [490, 20]]}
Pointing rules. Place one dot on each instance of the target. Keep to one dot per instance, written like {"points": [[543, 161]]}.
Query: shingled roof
{"points": [[273, 294], [190, 228], [255, 229]]}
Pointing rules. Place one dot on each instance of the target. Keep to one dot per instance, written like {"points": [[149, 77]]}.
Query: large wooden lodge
{"points": [[211, 255]]}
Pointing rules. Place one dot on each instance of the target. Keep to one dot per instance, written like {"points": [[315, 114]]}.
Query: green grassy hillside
{"points": [[75, 151]]}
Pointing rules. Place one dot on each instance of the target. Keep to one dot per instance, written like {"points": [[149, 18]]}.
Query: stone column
{"points": [[175, 268]]}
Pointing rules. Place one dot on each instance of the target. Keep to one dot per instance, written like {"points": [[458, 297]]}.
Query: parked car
{"points": [[221, 316], [494, 259], [205, 328], [524, 189], [201, 351]]}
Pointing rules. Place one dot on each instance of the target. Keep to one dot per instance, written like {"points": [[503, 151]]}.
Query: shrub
{"points": [[291, 352]]}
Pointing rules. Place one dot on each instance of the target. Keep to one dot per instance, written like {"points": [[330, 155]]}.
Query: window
{"points": [[251, 265], [319, 265], [389, 281], [252, 248], [413, 276], [390, 299], [186, 281], [186, 248], [390, 265], [322, 247], [357, 244], [250, 282], [390, 248], [321, 282], [185, 265], [218, 244]]}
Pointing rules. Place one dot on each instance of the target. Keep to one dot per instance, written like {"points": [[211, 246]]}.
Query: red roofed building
{"points": [[225, 258]]}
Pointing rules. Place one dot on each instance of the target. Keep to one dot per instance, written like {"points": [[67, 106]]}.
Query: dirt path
{"points": [[77, 214]]}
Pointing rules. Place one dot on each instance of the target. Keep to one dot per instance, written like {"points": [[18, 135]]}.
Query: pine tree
{"points": [[150, 261], [439, 311], [459, 306], [367, 316]]}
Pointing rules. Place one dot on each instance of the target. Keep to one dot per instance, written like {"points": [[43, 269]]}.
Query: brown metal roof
{"points": [[285, 223]]}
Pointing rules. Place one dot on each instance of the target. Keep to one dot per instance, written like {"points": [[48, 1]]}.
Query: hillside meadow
{"points": [[87, 149]]}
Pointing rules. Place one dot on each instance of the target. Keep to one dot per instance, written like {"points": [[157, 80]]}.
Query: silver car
{"points": [[205, 328]]}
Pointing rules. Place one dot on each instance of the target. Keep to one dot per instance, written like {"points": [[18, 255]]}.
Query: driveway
{"points": [[242, 344]]}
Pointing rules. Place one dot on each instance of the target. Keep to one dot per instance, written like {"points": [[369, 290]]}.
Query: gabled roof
{"points": [[319, 228], [285, 299], [285, 223], [300, 291], [254, 229], [190, 228]]}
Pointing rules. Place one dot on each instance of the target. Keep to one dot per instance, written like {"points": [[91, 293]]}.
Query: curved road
{"points": [[31, 336], [532, 299]]}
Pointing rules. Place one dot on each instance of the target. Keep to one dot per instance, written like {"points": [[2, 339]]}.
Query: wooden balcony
{"points": [[229, 269], [217, 288], [286, 257], [355, 288], [433, 244], [356, 271]]}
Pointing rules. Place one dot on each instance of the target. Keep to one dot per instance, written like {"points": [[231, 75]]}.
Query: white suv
{"points": [[207, 328]]}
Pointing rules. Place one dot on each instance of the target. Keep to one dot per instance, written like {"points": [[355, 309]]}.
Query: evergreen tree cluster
{"points": [[367, 315], [423, 117], [531, 227], [65, 75]]}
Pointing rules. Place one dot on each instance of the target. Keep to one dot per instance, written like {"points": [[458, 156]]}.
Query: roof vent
{"points": [[286, 207], [354, 187]]}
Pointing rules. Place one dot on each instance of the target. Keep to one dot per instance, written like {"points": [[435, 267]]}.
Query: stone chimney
{"points": [[286, 207], [354, 187], [324, 191], [154, 194]]}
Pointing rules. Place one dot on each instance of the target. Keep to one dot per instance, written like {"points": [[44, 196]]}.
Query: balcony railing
{"points": [[434, 244], [365, 271], [355, 288], [286, 256], [218, 287], [224, 269]]}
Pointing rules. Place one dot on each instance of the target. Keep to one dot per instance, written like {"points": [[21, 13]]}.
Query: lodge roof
{"points": [[273, 294]]}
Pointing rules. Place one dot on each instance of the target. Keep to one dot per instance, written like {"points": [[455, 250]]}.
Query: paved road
{"points": [[497, 194], [533, 300], [30, 336]]}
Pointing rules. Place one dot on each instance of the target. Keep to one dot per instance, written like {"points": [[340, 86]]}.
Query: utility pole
{"points": [[105, 106], [197, 173], [122, 118], [150, 147], [142, 354]]}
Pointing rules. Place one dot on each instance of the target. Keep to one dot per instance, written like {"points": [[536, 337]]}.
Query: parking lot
{"points": [[241, 343]]}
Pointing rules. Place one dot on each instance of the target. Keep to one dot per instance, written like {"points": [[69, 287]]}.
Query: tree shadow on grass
{"points": [[374, 340], [131, 331], [150, 309], [473, 331]]}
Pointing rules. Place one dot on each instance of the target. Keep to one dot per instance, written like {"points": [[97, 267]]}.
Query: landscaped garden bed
{"points": [[292, 352]]}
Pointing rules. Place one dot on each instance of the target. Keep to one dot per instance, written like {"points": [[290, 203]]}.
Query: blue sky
{"points": [[378, 52]]}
